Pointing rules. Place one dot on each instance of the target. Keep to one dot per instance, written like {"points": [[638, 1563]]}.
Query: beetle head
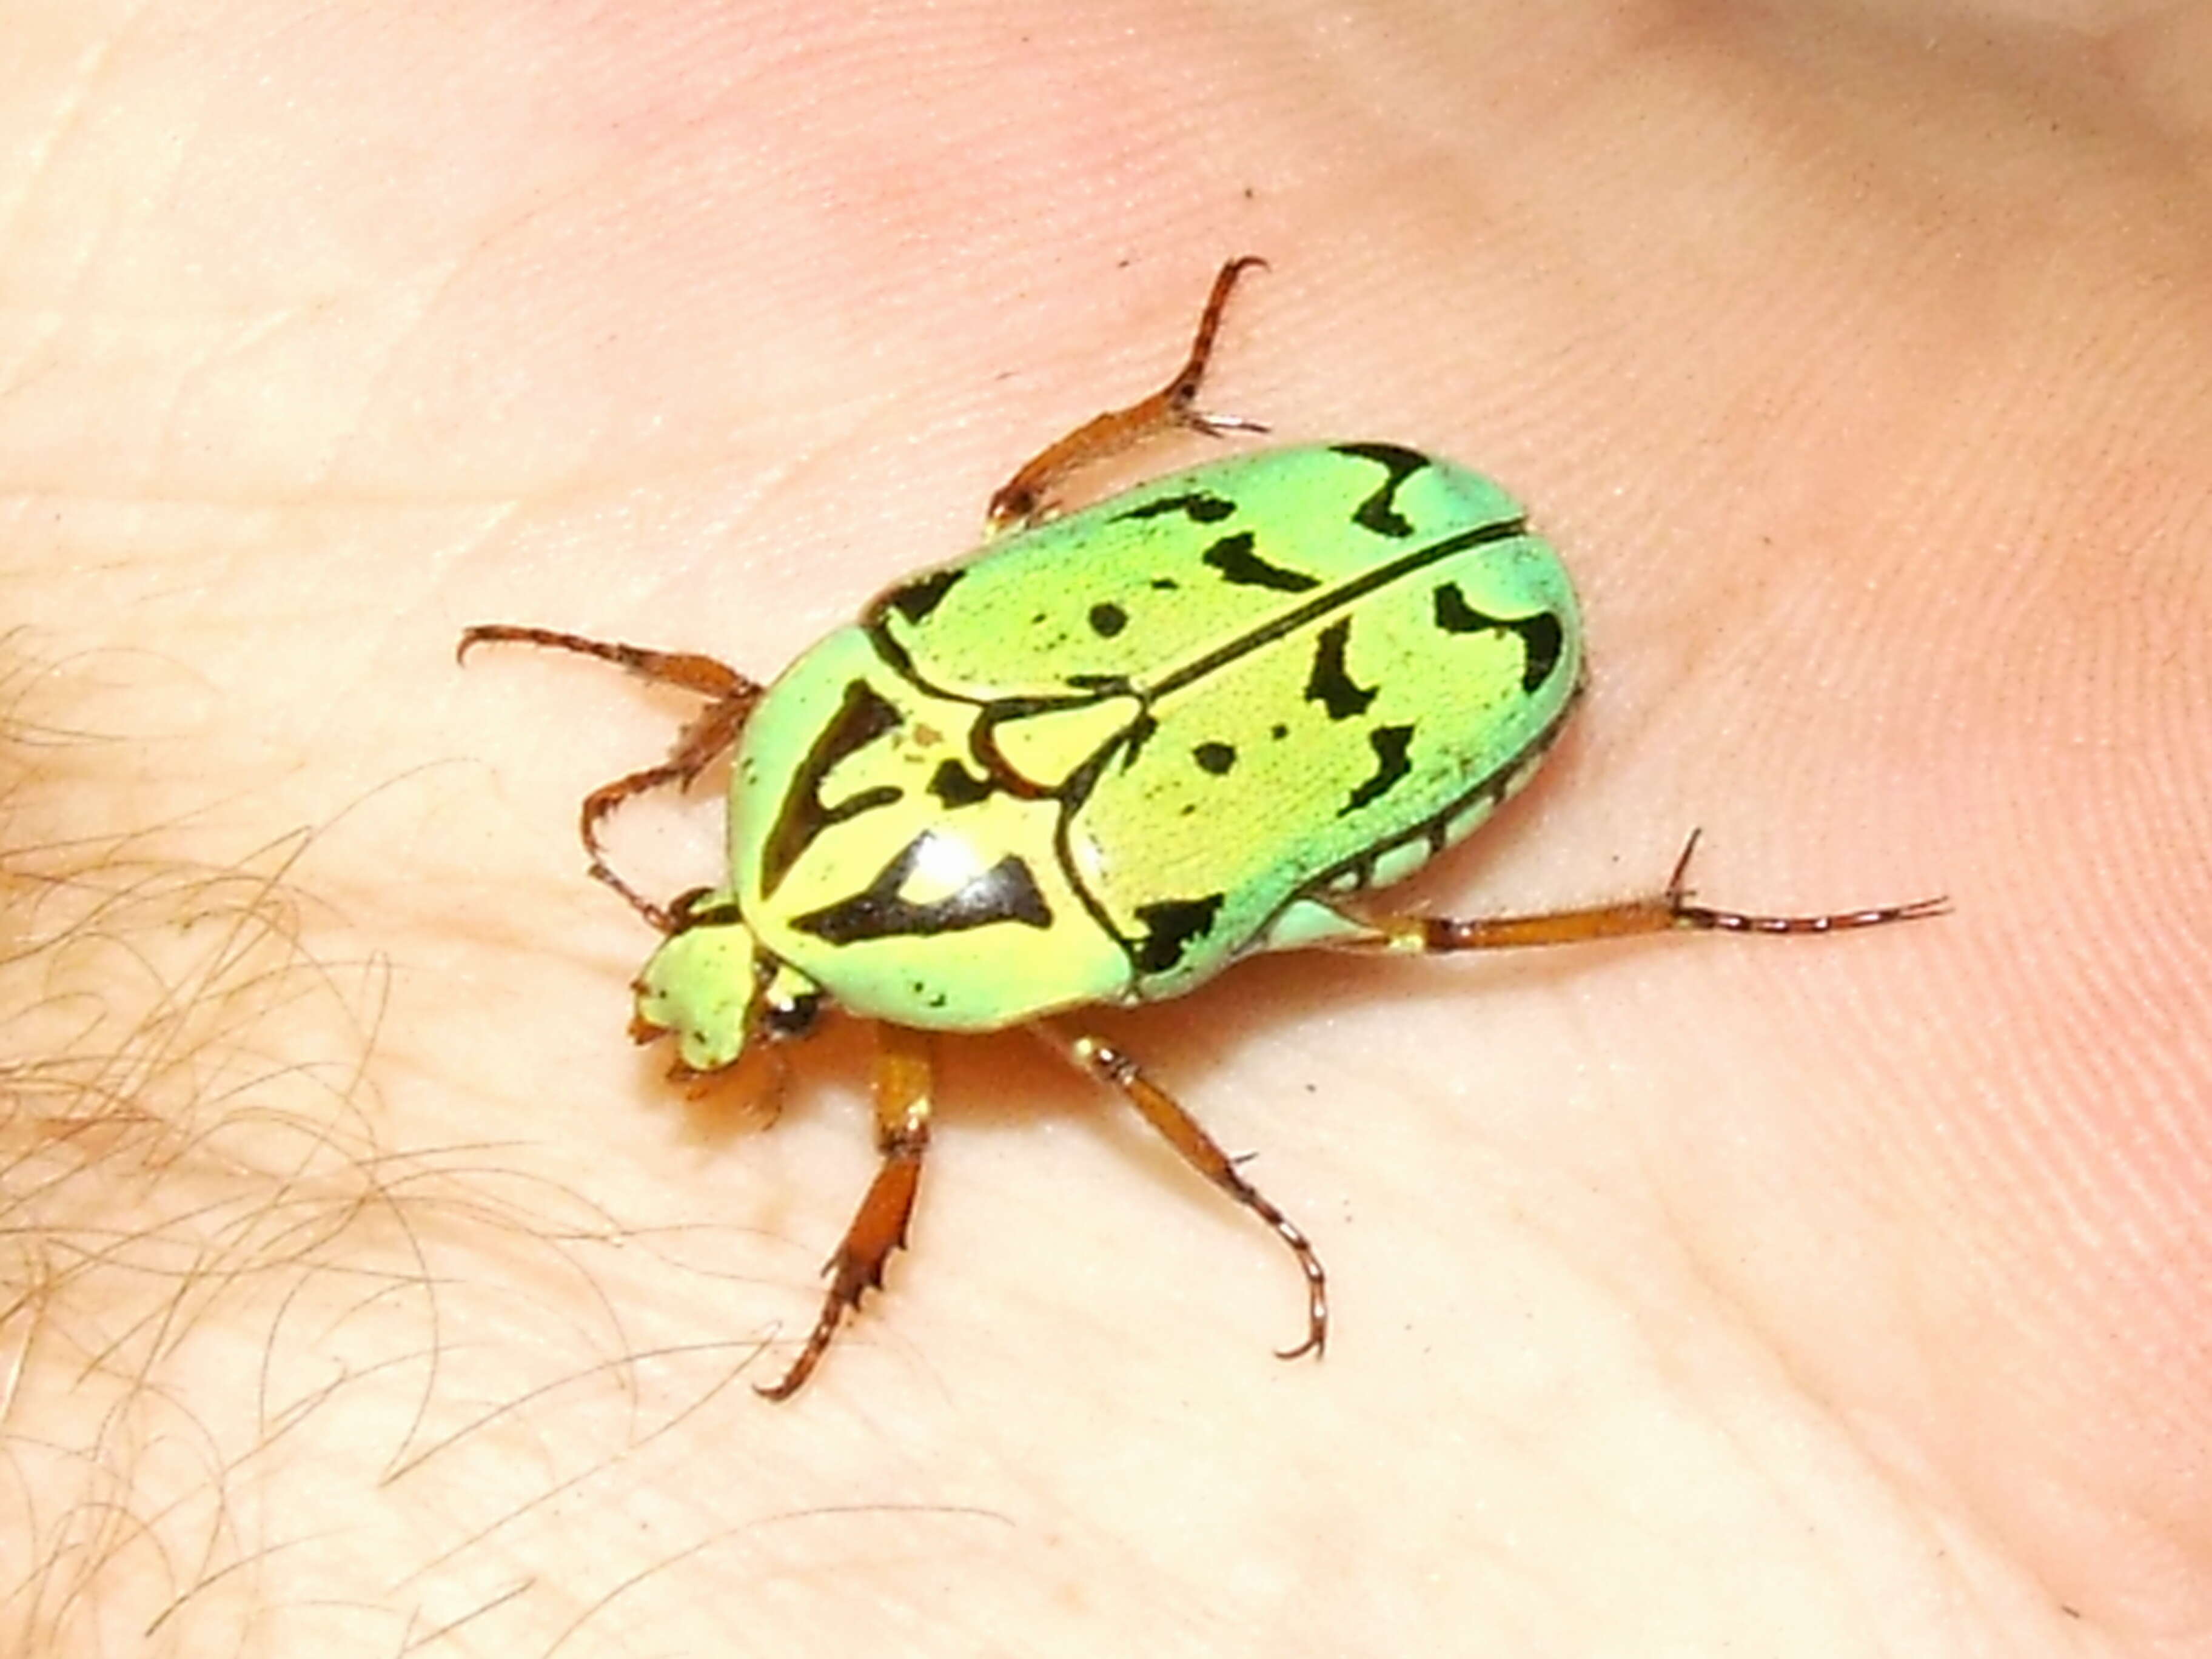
{"points": [[713, 988]]}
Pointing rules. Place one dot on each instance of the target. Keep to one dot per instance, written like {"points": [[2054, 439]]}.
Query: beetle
{"points": [[1107, 755]]}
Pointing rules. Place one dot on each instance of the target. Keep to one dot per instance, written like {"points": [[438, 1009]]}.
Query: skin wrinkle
{"points": [[1836, 1295]]}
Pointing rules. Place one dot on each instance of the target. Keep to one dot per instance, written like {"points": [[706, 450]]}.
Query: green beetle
{"points": [[1107, 756]]}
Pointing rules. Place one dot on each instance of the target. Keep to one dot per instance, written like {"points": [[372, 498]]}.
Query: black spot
{"points": [[1232, 555], [1007, 891], [1455, 615], [1107, 620], [915, 599], [1379, 512], [861, 718], [1166, 584], [1214, 757], [1542, 635], [1198, 507], [1171, 928], [953, 787], [1391, 744], [1542, 638], [1330, 684], [1279, 731]]}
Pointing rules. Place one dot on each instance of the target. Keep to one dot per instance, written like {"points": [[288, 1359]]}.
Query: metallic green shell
{"points": [[1103, 758]]}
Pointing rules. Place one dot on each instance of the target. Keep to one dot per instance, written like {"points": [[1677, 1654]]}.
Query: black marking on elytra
{"points": [[1391, 744], [1171, 928], [863, 716], [1542, 638], [1215, 757], [1164, 584], [1196, 506], [1330, 684], [1140, 734], [1542, 635], [1007, 891], [1456, 615], [1379, 512], [1492, 790], [1279, 731], [1339, 596], [954, 786], [916, 598], [1107, 620], [1234, 557]]}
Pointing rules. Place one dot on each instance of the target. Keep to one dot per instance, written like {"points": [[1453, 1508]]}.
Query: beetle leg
{"points": [[1031, 495], [708, 734], [1109, 1065], [687, 669], [1666, 911], [902, 1087]]}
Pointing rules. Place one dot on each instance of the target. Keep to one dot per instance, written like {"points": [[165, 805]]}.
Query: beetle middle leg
{"points": [[1031, 495], [901, 1083], [708, 734], [1109, 1065], [1669, 910]]}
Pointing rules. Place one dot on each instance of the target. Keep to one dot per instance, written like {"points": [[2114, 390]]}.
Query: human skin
{"points": [[1693, 1295]]}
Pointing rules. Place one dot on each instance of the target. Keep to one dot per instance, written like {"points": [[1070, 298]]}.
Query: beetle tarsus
{"points": [[1106, 1064]]}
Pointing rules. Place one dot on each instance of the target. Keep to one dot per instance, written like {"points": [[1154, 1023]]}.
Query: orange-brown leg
{"points": [[901, 1085], [1109, 1065], [1029, 495], [1665, 911], [712, 732]]}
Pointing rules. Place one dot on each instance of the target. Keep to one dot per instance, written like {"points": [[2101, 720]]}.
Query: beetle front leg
{"points": [[708, 734], [1030, 496], [902, 1081], [1109, 1065], [1667, 910]]}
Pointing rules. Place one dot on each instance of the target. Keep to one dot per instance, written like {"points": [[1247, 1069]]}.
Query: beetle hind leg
{"points": [[902, 1087], [1106, 1064], [1031, 494], [1667, 910], [708, 734]]}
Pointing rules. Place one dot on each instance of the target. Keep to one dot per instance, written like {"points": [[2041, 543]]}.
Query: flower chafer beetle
{"points": [[1106, 756]]}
